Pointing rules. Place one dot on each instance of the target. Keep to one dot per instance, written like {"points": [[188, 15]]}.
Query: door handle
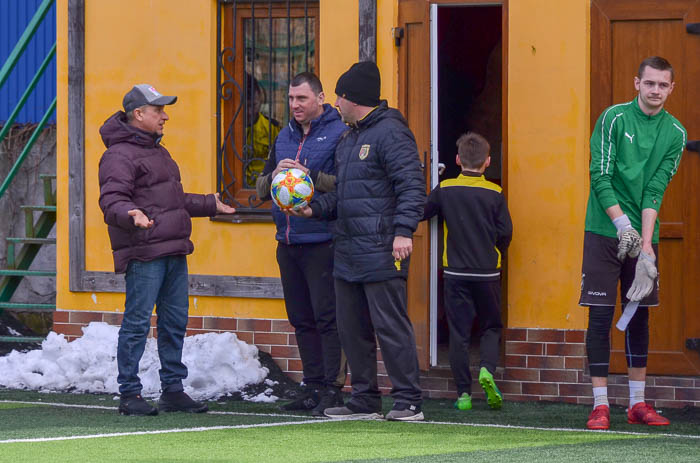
{"points": [[693, 145], [693, 28]]}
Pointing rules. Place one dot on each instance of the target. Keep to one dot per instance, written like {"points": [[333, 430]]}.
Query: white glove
{"points": [[644, 275], [630, 243]]}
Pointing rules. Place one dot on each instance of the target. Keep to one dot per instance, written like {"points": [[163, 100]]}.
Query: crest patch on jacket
{"points": [[364, 152]]}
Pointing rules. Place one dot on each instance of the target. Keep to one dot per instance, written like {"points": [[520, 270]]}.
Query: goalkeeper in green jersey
{"points": [[635, 150]]}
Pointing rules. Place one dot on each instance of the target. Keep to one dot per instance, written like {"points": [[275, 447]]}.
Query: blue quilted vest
{"points": [[317, 153]]}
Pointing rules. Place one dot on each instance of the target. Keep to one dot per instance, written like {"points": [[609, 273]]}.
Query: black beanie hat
{"points": [[360, 84]]}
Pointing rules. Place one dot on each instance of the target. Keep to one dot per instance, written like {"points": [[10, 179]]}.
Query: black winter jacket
{"points": [[477, 225], [380, 193], [136, 172]]}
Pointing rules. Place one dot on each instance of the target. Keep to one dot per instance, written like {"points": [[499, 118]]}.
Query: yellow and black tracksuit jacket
{"points": [[477, 226]]}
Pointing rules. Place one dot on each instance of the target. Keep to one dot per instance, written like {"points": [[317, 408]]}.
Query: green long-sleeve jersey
{"points": [[633, 157]]}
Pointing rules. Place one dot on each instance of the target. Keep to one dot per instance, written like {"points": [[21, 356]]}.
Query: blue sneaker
{"points": [[493, 396]]}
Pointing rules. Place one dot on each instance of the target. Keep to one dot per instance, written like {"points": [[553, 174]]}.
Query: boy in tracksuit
{"points": [[478, 229]]}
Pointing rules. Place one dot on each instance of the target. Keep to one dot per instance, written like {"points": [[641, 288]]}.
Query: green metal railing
{"points": [[27, 148], [24, 40], [10, 278], [27, 93], [9, 65]]}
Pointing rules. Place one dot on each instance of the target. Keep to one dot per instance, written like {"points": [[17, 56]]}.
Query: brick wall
{"points": [[540, 364]]}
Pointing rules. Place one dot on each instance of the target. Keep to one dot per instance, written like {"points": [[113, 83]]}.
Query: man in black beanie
{"points": [[377, 204]]}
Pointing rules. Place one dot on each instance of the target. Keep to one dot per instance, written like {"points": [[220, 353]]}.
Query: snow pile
{"points": [[218, 364]]}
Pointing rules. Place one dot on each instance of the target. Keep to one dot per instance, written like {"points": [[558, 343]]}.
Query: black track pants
{"points": [[465, 301], [366, 309], [307, 282]]}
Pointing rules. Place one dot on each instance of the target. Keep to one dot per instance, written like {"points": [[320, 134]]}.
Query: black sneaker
{"points": [[405, 412], [331, 397], [135, 405], [180, 402], [308, 401]]}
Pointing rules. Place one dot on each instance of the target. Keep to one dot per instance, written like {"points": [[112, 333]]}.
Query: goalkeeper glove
{"points": [[644, 275], [630, 243]]}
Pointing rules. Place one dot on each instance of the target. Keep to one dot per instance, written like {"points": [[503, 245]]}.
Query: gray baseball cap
{"points": [[143, 94]]}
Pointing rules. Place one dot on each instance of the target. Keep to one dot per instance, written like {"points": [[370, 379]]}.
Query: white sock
{"points": [[636, 392], [600, 396]]}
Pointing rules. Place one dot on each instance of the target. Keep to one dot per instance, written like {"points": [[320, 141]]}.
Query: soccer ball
{"points": [[292, 189]]}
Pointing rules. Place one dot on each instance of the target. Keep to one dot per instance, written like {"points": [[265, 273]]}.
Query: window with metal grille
{"points": [[261, 46]]}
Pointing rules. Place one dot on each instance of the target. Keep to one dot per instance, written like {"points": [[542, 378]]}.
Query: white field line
{"points": [[162, 431], [315, 420]]}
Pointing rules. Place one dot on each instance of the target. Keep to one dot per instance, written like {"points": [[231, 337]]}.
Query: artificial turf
{"points": [[328, 441], [362, 441], [477, 435]]}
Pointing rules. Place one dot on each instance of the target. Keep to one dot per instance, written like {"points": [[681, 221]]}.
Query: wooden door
{"points": [[623, 33], [414, 104]]}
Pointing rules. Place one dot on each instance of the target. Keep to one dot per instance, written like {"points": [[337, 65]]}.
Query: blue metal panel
{"points": [[14, 17]]}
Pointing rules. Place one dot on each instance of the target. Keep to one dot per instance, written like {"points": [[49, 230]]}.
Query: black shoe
{"points": [[308, 401], [180, 402], [331, 397], [135, 405]]}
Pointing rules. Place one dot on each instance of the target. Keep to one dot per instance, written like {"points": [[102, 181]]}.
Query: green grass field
{"points": [[71, 427]]}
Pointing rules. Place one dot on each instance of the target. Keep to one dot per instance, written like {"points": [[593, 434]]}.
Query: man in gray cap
{"points": [[377, 205], [148, 217]]}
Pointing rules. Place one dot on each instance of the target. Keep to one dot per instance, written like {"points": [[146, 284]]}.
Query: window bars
{"points": [[261, 46]]}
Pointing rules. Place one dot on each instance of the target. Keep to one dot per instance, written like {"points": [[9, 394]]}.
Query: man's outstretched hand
{"points": [[140, 219], [222, 208]]}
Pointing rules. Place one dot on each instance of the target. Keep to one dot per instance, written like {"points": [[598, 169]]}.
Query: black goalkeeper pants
{"points": [[600, 320]]}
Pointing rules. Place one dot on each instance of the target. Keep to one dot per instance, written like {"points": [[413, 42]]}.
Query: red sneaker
{"points": [[643, 413], [599, 418]]}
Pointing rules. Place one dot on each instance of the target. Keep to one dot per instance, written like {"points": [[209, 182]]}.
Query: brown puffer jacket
{"points": [[136, 172]]}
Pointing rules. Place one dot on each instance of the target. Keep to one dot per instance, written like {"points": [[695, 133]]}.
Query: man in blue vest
{"points": [[305, 246]]}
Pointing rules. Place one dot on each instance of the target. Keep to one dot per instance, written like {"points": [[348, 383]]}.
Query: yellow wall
{"points": [[339, 49], [175, 51], [548, 113]]}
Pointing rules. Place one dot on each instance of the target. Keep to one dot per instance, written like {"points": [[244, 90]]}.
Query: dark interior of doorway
{"points": [[469, 99]]}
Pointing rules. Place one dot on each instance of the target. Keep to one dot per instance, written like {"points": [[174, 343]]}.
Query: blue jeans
{"points": [[161, 282]]}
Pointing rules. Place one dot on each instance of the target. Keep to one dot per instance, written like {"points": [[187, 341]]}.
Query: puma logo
{"points": [[631, 137]]}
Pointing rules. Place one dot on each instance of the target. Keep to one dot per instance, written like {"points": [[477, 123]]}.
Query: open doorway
{"points": [[469, 91]]}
